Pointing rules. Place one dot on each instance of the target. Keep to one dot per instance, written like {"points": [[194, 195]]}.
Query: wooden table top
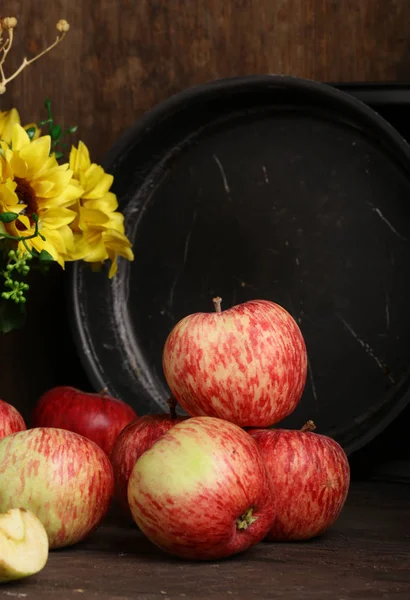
{"points": [[365, 556]]}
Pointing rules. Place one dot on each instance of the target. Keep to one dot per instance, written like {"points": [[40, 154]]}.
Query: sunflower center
{"points": [[26, 195]]}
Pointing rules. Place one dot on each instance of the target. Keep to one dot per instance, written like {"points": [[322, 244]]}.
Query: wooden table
{"points": [[365, 556]]}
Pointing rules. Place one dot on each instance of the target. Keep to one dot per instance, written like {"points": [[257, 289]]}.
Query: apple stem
{"points": [[172, 403], [245, 520], [103, 392], [308, 426], [217, 304]]}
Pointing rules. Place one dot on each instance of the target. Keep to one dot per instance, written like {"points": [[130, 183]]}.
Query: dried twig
{"points": [[8, 24]]}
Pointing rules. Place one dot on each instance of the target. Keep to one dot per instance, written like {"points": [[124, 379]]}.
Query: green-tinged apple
{"points": [[11, 420], [202, 490], [246, 364], [310, 475], [133, 441], [23, 545], [65, 479], [98, 417]]}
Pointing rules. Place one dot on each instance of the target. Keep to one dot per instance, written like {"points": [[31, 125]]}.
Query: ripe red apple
{"points": [[246, 364], [10, 420], [132, 442], [98, 417], [65, 479], [202, 490], [310, 476]]}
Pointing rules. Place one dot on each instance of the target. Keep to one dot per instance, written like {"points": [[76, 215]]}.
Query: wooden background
{"points": [[123, 56]]}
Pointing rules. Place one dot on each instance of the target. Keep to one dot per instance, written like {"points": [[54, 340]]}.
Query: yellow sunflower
{"points": [[8, 118], [32, 182], [98, 228]]}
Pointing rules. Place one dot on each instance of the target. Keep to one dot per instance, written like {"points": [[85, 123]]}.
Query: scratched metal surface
{"points": [[262, 191]]}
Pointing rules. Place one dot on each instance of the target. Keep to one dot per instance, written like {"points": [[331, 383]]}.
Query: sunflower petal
{"points": [[37, 130], [97, 252], [68, 238], [81, 248], [93, 217], [56, 238], [98, 182], [116, 222], [42, 187], [24, 220], [117, 242], [18, 166], [36, 153], [114, 265], [79, 159], [54, 218], [19, 137], [8, 118], [69, 195], [107, 203]]}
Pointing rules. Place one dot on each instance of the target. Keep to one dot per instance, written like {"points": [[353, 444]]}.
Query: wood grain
{"points": [[121, 57]]}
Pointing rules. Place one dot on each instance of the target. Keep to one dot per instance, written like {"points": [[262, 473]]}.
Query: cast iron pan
{"points": [[261, 187]]}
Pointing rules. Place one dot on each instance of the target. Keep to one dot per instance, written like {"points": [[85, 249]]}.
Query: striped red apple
{"points": [[202, 490], [10, 419], [65, 479], [310, 476], [246, 364], [133, 441]]}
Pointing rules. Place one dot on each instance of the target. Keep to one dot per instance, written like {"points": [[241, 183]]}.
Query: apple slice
{"points": [[23, 544]]}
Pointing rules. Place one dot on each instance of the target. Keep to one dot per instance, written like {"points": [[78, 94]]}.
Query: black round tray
{"points": [[261, 187]]}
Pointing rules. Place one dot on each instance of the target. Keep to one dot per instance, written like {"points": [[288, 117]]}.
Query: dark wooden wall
{"points": [[123, 56]]}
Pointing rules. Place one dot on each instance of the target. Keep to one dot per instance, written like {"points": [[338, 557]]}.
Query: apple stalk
{"points": [[217, 304]]}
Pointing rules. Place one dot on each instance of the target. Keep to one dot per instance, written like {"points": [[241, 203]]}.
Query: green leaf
{"points": [[31, 132], [12, 316], [59, 155], [55, 132], [8, 217], [44, 256]]}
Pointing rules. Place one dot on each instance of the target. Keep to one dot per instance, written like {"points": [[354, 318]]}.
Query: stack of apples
{"points": [[223, 479], [202, 486]]}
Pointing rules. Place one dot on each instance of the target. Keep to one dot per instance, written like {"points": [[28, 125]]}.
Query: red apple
{"points": [[65, 479], [246, 364], [98, 417], [202, 490], [310, 476], [10, 420], [132, 442]]}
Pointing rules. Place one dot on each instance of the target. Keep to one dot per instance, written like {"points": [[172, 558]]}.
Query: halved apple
{"points": [[23, 544]]}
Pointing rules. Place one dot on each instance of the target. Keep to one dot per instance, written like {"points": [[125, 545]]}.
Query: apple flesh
{"points": [[247, 364], [98, 417], [23, 545], [63, 478], [202, 490], [310, 475], [10, 420], [133, 441]]}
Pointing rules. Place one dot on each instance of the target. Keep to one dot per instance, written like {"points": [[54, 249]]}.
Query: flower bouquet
{"points": [[52, 209]]}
